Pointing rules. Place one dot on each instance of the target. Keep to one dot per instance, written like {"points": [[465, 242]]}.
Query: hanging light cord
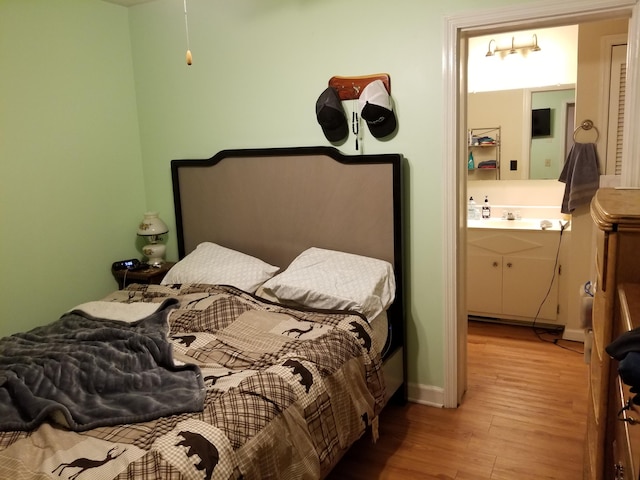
{"points": [[186, 27]]}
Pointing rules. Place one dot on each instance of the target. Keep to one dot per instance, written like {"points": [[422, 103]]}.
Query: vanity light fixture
{"points": [[493, 49], [490, 52], [535, 47]]}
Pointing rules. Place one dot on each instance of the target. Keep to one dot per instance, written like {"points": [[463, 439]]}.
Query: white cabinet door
{"points": [[510, 275], [527, 283], [484, 283]]}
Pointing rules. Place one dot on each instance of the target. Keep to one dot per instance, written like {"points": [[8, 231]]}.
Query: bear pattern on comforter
{"points": [[287, 392]]}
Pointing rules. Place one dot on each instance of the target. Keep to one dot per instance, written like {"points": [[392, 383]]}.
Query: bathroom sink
{"points": [[521, 224]]}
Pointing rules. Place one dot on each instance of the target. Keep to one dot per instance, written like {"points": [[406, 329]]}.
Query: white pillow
{"points": [[217, 265], [322, 278]]}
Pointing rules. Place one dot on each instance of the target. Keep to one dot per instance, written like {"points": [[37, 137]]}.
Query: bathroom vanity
{"points": [[512, 271]]}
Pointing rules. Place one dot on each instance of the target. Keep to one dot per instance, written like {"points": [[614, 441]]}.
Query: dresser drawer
{"points": [[624, 415], [626, 441]]}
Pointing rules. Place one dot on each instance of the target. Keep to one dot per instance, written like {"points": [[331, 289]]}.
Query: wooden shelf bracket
{"points": [[349, 88]]}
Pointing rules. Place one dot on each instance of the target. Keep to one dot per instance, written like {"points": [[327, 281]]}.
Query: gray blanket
{"points": [[84, 372]]}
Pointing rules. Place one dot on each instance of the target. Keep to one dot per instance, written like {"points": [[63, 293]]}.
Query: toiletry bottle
{"points": [[471, 164], [471, 209], [486, 209]]}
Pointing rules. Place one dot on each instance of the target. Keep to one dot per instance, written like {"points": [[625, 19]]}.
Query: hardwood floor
{"points": [[522, 418]]}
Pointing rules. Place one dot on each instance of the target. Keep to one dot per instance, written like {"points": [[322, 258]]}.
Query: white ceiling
{"points": [[128, 3]]}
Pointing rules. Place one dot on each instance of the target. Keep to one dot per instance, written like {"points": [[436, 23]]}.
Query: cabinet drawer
{"points": [[622, 466]]}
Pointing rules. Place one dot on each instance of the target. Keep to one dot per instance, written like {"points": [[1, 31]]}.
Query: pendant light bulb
{"points": [[189, 57]]}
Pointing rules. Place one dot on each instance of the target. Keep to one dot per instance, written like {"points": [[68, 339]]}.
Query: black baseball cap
{"points": [[331, 116]]}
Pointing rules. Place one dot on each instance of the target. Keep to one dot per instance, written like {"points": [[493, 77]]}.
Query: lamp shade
{"points": [[151, 225]]}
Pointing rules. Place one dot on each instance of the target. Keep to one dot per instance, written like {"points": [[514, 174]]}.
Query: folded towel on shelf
{"points": [[488, 164], [580, 175]]}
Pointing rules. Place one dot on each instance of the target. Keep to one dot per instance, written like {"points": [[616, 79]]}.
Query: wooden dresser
{"points": [[610, 443]]}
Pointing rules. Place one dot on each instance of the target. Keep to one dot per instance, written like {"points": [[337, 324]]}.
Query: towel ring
{"points": [[586, 125]]}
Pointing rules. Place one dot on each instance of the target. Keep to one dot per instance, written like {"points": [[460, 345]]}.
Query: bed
{"points": [[270, 347]]}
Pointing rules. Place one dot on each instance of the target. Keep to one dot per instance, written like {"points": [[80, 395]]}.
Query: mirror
{"points": [[523, 156], [552, 124], [506, 78]]}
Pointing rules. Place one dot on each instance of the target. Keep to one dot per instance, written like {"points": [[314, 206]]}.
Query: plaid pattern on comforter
{"points": [[288, 391]]}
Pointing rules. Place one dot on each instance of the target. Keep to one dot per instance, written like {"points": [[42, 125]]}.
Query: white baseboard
{"points": [[425, 395], [573, 334]]}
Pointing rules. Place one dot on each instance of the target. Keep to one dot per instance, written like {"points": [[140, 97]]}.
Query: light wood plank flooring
{"points": [[522, 418]]}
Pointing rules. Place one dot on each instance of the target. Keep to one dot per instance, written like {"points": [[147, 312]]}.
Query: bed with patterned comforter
{"points": [[287, 392]]}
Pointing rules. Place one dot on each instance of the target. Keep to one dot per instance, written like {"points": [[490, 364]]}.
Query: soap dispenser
{"points": [[486, 209], [471, 209]]}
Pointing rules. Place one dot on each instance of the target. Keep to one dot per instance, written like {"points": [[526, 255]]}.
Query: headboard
{"points": [[275, 203]]}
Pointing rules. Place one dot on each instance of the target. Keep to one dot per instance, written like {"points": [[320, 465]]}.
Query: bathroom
{"points": [[547, 67]]}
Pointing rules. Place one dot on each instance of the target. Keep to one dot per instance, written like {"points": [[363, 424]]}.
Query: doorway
{"points": [[457, 30]]}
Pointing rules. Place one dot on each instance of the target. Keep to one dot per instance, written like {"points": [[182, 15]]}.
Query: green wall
{"points": [[259, 66], [71, 185]]}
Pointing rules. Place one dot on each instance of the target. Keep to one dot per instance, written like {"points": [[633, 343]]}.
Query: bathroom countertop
{"points": [[522, 224]]}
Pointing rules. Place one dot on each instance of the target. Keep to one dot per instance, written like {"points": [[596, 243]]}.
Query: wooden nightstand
{"points": [[150, 275]]}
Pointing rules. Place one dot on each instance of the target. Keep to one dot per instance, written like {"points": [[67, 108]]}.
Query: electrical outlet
{"points": [[547, 162], [513, 165]]}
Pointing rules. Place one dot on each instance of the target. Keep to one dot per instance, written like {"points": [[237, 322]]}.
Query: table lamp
{"points": [[152, 228]]}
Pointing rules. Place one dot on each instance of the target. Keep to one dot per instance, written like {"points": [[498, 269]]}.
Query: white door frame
{"points": [[456, 29]]}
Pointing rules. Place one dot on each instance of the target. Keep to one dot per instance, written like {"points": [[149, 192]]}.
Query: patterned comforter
{"points": [[288, 391]]}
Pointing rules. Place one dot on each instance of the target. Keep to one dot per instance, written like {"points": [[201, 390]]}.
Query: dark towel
{"points": [[626, 343], [626, 349], [581, 176], [488, 164], [83, 372], [629, 371]]}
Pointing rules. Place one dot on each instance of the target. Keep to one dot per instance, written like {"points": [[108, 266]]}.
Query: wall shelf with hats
{"points": [[374, 105], [350, 88]]}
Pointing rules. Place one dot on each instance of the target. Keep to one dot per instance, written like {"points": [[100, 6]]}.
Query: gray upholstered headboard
{"points": [[275, 203]]}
